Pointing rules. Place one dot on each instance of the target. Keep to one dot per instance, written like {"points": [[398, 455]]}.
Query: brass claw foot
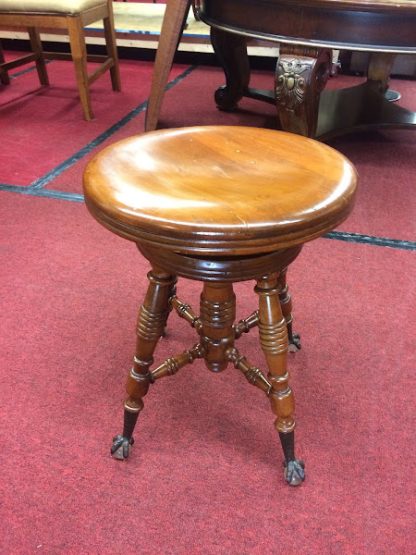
{"points": [[294, 472], [121, 447]]}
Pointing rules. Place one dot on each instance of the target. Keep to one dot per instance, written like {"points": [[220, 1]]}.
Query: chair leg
{"points": [[274, 343], [79, 57], [150, 327], [173, 23], [4, 75], [111, 46], [36, 45]]}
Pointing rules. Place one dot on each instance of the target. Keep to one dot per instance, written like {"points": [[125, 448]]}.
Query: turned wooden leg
{"points": [[274, 343], [217, 317], [150, 326], [231, 51], [301, 75], [286, 306]]}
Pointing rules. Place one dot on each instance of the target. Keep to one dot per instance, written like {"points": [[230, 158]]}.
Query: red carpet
{"points": [[205, 474], [56, 118]]}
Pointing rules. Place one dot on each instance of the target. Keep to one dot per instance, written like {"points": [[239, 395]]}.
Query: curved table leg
{"points": [[363, 106], [173, 23], [231, 51], [301, 75], [379, 69]]}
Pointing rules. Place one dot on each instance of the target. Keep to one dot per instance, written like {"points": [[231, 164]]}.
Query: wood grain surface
{"points": [[240, 189]]}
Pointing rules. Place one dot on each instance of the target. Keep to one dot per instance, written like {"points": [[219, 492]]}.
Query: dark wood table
{"points": [[307, 31]]}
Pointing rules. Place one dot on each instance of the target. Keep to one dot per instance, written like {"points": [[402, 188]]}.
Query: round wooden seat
{"points": [[219, 204], [228, 190]]}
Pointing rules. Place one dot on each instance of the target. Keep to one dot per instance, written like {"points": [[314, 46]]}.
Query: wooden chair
{"points": [[70, 15], [219, 205]]}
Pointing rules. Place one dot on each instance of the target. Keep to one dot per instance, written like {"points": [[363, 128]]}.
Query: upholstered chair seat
{"points": [[48, 6]]}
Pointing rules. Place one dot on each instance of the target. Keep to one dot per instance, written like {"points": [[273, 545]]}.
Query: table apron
{"points": [[313, 26]]}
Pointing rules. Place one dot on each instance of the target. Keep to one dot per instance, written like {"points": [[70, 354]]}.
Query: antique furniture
{"points": [[306, 30], [72, 16], [219, 205]]}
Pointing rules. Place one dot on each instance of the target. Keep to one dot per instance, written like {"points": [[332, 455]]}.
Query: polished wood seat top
{"points": [[219, 189]]}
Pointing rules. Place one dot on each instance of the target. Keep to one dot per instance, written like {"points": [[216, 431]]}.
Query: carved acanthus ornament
{"points": [[290, 83]]}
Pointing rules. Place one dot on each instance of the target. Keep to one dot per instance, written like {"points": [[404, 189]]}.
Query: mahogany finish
{"points": [[306, 30], [171, 179], [219, 205], [73, 23], [385, 26]]}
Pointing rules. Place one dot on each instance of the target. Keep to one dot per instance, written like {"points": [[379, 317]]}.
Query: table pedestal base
{"points": [[303, 106]]}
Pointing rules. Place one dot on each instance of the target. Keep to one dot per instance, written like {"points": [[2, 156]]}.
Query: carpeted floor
{"points": [[205, 474]]}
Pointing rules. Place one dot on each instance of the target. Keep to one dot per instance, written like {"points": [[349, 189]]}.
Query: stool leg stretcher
{"points": [[217, 332]]}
